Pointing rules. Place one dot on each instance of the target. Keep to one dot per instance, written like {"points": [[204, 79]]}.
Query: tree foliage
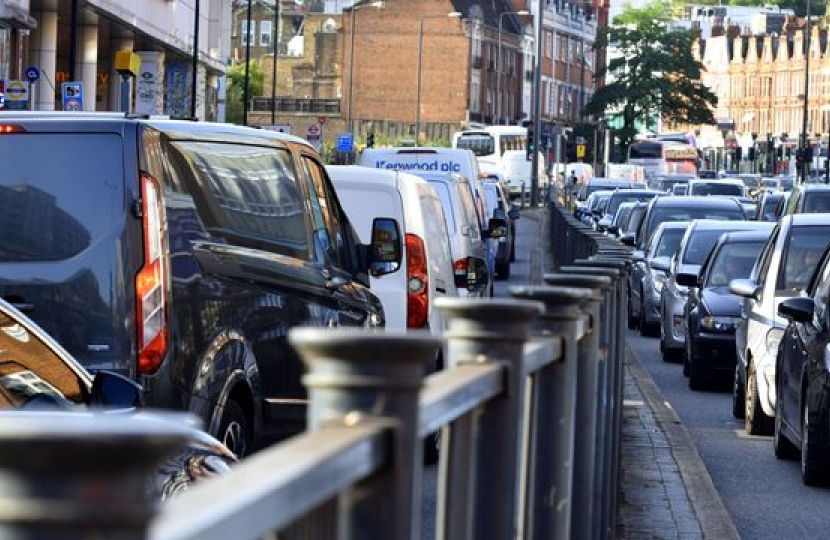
{"points": [[236, 84], [654, 72], [817, 7]]}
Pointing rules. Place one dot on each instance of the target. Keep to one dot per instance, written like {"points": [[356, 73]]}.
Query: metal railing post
{"points": [[355, 376], [551, 462], [604, 282], [66, 475], [485, 331]]}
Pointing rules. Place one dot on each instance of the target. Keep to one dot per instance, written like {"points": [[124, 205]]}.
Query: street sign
{"points": [[345, 142], [73, 96], [580, 150], [33, 74], [313, 131], [321, 120], [17, 94]]}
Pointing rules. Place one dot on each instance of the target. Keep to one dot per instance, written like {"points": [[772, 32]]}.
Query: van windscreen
{"points": [[482, 144], [59, 193]]}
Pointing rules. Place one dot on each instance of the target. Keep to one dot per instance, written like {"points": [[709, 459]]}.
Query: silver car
{"points": [[698, 241], [648, 275]]}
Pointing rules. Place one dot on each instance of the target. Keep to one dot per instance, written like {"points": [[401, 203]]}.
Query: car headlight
{"points": [[719, 324], [774, 336]]}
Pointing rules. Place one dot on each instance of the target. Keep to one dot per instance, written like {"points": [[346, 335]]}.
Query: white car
{"points": [[781, 272]]}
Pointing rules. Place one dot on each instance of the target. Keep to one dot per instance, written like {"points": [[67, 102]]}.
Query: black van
{"points": [[179, 254]]}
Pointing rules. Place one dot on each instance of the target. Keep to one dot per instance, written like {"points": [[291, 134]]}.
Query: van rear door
{"points": [[64, 238]]}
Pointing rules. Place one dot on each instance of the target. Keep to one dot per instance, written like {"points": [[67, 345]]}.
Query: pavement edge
{"points": [[715, 522]]}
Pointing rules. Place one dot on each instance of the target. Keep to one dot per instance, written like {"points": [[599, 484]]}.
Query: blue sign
{"points": [[73, 96], [345, 142], [33, 74]]}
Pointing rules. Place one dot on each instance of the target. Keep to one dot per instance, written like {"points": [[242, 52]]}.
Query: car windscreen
{"points": [[732, 261], [817, 202], [668, 243], [698, 246], [59, 193], [622, 196], [715, 188], [801, 255], [482, 144]]}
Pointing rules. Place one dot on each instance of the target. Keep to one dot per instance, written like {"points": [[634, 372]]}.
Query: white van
{"points": [[517, 170], [408, 295], [458, 166]]}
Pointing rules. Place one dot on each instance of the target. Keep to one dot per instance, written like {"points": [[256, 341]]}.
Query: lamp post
{"points": [[803, 163], [276, 49], [247, 65], [521, 13], [451, 15], [356, 6], [194, 60]]}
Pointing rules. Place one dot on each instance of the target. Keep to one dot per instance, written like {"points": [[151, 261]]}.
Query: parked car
{"points": [[517, 171], [36, 373], [767, 204], [806, 198], [685, 208], [723, 186], [595, 207], [618, 197], [497, 205], [781, 272], [697, 242], [648, 276], [802, 381], [712, 312], [180, 254]]}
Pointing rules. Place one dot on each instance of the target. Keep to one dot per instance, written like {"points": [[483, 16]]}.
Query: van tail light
{"points": [[459, 270], [151, 281], [417, 282]]}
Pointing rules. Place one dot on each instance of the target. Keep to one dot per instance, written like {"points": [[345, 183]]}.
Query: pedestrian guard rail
{"points": [[528, 407]]}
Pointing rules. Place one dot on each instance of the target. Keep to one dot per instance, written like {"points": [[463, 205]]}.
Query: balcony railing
{"points": [[290, 104]]}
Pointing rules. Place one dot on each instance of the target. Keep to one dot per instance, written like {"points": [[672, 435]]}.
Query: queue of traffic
{"points": [[733, 277]]}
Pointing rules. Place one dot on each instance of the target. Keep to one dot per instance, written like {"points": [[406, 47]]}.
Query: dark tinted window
{"points": [[245, 195], [59, 193], [645, 150], [668, 243], [332, 214], [482, 144], [732, 261], [667, 213], [816, 202], [622, 196], [716, 188]]}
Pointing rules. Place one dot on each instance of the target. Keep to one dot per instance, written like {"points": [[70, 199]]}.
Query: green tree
{"points": [[654, 73], [236, 84]]}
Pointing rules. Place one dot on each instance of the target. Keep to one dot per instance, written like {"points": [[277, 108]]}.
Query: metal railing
{"points": [[528, 408]]}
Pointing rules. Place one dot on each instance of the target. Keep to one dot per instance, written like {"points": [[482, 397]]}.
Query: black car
{"points": [[685, 208], [712, 312], [802, 381], [619, 197], [179, 254], [37, 374], [806, 199]]}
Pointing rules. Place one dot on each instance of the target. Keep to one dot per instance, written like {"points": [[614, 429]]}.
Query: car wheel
{"points": [[432, 448], [503, 270], [632, 321], [783, 447], [815, 459], [697, 374], [686, 359], [756, 422], [234, 429], [513, 249], [738, 394], [645, 327]]}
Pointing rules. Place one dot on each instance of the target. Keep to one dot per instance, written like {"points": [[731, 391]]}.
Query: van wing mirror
{"points": [[115, 391], [386, 250], [474, 277], [514, 213], [496, 228]]}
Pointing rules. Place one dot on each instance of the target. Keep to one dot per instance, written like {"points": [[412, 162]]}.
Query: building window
{"points": [[548, 45], [243, 31], [265, 29]]}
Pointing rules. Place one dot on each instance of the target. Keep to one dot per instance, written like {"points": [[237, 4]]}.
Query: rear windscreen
{"points": [[482, 144], [715, 188], [59, 193]]}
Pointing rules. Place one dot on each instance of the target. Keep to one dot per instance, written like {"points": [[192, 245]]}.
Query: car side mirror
{"points": [[687, 280], [496, 228], [474, 277], [386, 249], [661, 263], [514, 213], [612, 229], [628, 239], [747, 288], [798, 309], [115, 391], [637, 255]]}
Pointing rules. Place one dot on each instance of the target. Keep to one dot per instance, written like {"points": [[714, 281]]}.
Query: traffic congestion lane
{"points": [[764, 495]]}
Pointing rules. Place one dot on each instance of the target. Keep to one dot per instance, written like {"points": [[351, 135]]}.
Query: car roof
{"points": [[693, 201], [673, 225], [809, 219], [709, 224], [746, 236]]}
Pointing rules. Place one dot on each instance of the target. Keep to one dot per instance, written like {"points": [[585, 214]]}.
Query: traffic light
{"points": [[531, 144], [370, 140]]}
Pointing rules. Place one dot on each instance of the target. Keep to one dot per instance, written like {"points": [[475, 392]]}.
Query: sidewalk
{"points": [[665, 489]]}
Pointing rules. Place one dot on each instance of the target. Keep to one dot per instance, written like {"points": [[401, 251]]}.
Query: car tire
{"points": [[235, 430], [513, 249], [685, 360], [697, 374], [738, 394], [632, 321], [503, 270], [781, 445], [815, 456], [755, 421], [432, 448]]}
